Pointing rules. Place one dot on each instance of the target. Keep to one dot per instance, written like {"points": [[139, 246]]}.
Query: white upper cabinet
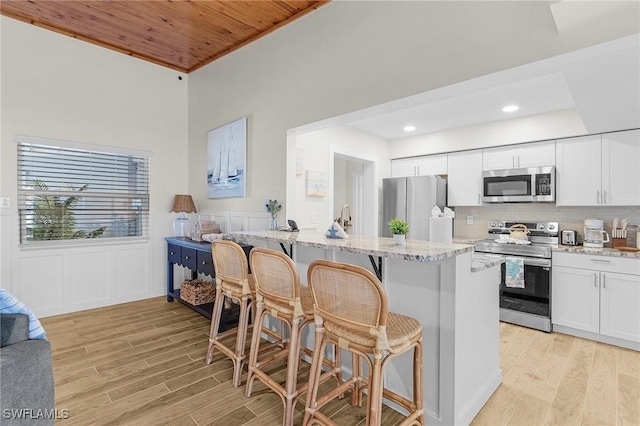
{"points": [[403, 167], [600, 170], [536, 154], [420, 166], [464, 182], [621, 168], [579, 171]]}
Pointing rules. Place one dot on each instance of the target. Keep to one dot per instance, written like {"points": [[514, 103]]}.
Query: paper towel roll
{"points": [[441, 229]]}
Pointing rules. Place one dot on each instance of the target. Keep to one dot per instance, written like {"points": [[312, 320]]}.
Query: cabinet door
{"points": [[620, 306], [188, 259], [464, 184], [174, 255], [432, 165], [537, 154], [502, 157], [575, 298], [578, 171], [621, 168], [403, 167], [205, 263]]}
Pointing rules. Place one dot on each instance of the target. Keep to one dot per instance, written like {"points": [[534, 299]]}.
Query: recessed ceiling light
{"points": [[510, 108], [409, 128]]}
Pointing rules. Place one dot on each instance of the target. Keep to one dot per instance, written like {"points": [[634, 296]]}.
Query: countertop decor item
{"points": [[273, 207], [182, 204], [399, 228]]}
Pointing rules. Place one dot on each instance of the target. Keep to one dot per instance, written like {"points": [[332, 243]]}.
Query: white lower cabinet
{"points": [[620, 306], [575, 300], [596, 299]]}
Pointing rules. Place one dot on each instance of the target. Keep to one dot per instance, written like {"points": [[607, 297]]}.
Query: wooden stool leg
{"points": [[243, 322], [375, 392], [356, 367], [255, 347], [417, 380], [314, 374], [215, 322], [291, 384]]}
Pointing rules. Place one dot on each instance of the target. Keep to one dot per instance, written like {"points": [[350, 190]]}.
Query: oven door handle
{"points": [[531, 261]]}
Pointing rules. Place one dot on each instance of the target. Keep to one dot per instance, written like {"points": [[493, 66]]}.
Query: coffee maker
{"points": [[594, 234]]}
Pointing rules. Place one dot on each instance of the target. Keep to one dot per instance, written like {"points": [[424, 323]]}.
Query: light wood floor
{"points": [[142, 363]]}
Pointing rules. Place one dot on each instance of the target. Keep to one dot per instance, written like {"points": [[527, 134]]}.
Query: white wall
{"points": [[526, 129], [319, 149], [347, 56], [57, 87]]}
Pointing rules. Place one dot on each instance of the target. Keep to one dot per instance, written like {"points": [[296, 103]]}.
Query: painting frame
{"points": [[316, 183], [227, 160]]}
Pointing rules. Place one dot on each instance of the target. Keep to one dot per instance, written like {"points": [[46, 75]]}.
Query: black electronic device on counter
{"points": [[293, 225]]}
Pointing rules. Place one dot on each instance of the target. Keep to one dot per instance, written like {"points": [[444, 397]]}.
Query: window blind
{"points": [[70, 194]]}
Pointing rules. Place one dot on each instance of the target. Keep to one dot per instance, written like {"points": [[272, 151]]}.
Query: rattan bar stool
{"points": [[233, 281], [280, 295], [351, 312]]}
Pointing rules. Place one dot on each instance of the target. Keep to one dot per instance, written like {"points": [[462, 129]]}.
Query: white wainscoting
{"points": [[61, 279]]}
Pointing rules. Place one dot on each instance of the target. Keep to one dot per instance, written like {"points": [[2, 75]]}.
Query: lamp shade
{"points": [[183, 203]]}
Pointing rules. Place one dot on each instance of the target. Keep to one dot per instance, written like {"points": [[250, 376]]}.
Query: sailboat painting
{"points": [[227, 160]]}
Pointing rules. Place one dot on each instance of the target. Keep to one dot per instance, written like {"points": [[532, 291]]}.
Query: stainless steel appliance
{"points": [[412, 198], [569, 238], [535, 184], [530, 305]]}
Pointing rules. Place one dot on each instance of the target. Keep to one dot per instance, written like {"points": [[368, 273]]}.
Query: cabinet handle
{"points": [[604, 197], [604, 281], [513, 161], [186, 257], [598, 196], [172, 252], [204, 262], [518, 161], [478, 199], [595, 280], [600, 260]]}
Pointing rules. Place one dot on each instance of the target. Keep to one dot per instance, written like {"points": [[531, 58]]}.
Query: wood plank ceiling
{"points": [[180, 34]]}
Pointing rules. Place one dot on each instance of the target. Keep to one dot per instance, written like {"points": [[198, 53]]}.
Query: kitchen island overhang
{"points": [[454, 297]]}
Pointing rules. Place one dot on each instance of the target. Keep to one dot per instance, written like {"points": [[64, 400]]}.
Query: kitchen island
{"points": [[454, 297]]}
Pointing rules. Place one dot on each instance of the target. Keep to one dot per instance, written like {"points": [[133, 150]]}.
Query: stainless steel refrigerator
{"points": [[412, 198]]}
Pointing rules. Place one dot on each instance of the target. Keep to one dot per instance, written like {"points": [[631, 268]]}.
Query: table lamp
{"points": [[182, 204]]}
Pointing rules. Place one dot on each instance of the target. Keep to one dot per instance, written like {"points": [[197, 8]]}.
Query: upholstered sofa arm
{"points": [[14, 328]]}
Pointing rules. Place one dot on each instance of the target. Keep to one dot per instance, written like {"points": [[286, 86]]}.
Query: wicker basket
{"points": [[197, 292]]}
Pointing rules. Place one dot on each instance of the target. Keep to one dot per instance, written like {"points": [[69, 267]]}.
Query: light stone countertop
{"points": [[414, 250], [597, 251], [482, 261]]}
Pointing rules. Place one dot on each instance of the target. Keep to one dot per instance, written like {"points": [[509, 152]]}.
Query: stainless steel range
{"points": [[524, 292]]}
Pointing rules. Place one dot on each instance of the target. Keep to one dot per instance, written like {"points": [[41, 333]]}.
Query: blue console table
{"points": [[196, 256]]}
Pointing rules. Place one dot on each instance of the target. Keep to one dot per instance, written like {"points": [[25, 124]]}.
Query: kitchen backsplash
{"points": [[567, 217]]}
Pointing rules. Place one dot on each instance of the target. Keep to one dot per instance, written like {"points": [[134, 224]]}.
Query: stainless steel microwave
{"points": [[530, 185]]}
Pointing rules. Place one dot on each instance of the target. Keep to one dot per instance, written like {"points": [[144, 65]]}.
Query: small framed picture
{"points": [[316, 184]]}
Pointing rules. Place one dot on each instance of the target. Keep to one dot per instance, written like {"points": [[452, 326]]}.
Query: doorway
{"points": [[353, 185]]}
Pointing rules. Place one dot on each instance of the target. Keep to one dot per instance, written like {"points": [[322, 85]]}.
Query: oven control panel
{"points": [[537, 228]]}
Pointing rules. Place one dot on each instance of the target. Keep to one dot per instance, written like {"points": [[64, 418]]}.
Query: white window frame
{"points": [[116, 198]]}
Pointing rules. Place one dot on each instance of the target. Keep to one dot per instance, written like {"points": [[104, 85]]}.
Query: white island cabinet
{"points": [[455, 299]]}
